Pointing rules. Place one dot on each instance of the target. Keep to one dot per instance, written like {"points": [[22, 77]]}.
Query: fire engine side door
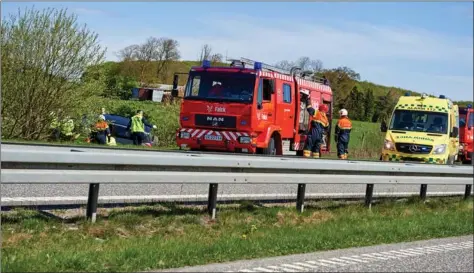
{"points": [[266, 100], [285, 109]]}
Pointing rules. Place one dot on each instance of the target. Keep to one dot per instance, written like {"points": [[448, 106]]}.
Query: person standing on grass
{"points": [[342, 134], [102, 130], [137, 127]]}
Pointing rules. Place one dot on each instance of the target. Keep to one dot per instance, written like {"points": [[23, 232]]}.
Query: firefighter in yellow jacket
{"points": [[343, 134], [319, 123]]}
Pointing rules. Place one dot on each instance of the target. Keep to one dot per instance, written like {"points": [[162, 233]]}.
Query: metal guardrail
{"points": [[62, 165]]}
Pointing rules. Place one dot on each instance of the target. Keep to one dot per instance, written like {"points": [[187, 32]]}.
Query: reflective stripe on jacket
{"points": [[343, 129]]}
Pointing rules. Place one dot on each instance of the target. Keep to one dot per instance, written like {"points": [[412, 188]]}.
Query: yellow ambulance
{"points": [[422, 129]]}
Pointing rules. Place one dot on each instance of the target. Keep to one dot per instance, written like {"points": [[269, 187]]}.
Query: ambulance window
{"points": [[267, 89], [286, 93]]}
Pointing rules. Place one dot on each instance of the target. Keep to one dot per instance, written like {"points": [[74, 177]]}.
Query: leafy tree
{"points": [[44, 54], [369, 103], [354, 103]]}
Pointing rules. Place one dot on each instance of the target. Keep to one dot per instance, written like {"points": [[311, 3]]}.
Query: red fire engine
{"points": [[466, 133], [249, 107]]}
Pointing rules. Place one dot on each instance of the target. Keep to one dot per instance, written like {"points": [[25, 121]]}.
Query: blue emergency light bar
{"points": [[469, 106], [206, 63], [442, 96], [407, 94], [257, 66]]}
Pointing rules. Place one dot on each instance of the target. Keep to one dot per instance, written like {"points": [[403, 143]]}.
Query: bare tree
{"points": [[167, 52], [305, 63], [129, 53], [162, 50], [216, 58], [286, 65], [44, 55], [206, 53]]}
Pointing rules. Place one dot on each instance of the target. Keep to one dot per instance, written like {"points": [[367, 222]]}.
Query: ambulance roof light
{"points": [[424, 96], [407, 94], [469, 106], [206, 63], [442, 96]]}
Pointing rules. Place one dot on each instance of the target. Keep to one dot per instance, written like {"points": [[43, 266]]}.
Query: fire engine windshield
{"points": [[220, 86], [420, 121]]}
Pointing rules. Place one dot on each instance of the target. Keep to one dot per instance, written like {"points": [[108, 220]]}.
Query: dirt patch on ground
{"points": [[16, 238]]}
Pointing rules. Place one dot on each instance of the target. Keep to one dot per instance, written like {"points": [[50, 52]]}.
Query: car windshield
{"points": [[420, 121], [220, 86]]}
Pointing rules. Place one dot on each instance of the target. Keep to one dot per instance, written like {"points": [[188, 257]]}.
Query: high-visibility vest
{"points": [[137, 124]]}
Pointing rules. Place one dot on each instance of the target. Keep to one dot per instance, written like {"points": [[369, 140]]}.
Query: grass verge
{"points": [[158, 237]]}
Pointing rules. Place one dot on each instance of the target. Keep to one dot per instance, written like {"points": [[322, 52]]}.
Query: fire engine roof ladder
{"points": [[265, 66]]}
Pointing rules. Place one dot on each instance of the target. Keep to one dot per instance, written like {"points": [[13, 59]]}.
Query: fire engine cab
{"points": [[249, 107], [466, 133]]}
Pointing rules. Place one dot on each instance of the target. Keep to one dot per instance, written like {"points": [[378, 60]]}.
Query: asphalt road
{"points": [[14, 192], [439, 255]]}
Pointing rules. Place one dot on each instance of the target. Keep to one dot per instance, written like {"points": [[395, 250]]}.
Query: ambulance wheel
{"points": [[270, 150], [299, 153]]}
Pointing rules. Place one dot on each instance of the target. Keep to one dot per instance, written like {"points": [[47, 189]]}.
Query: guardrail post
{"points": [[467, 192], [300, 197], [92, 201], [212, 200], [423, 189], [369, 192]]}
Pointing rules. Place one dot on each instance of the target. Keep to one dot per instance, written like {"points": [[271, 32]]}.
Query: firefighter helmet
{"points": [[343, 112], [323, 108]]}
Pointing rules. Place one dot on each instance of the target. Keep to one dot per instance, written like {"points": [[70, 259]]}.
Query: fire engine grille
{"points": [[215, 121], [410, 148]]}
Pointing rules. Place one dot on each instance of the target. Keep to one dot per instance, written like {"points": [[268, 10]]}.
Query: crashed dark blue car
{"points": [[118, 127]]}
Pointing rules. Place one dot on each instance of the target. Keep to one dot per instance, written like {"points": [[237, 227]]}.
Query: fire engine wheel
{"points": [[271, 149]]}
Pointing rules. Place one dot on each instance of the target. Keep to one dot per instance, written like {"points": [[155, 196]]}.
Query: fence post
{"points": [[423, 189], [467, 192], [92, 201], [300, 197], [212, 200], [369, 191]]}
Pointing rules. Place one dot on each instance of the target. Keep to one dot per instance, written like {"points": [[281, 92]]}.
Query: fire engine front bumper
{"points": [[466, 152], [209, 140]]}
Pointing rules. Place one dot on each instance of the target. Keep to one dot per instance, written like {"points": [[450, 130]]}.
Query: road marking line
{"points": [[363, 258], [401, 253], [262, 269], [392, 255], [307, 265], [342, 261], [354, 259], [293, 266], [320, 263], [331, 262], [451, 246], [284, 269], [376, 255]]}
